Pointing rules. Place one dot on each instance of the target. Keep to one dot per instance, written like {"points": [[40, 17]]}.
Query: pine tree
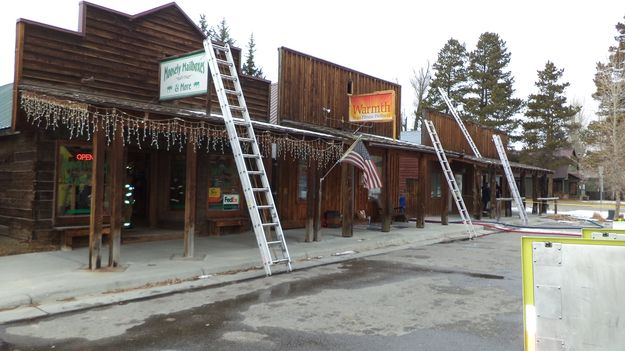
{"points": [[209, 32], [450, 74], [249, 67], [222, 33], [490, 100], [549, 120]]}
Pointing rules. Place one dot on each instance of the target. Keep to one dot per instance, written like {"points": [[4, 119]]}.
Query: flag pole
{"points": [[317, 236]]}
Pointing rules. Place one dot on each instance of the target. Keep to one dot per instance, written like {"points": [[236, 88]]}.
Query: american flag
{"points": [[358, 156]]}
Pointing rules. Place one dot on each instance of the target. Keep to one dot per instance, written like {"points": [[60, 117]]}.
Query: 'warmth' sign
{"points": [[374, 107]]}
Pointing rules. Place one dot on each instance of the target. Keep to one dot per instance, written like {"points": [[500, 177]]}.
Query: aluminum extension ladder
{"points": [[451, 181], [256, 187], [511, 182], [460, 123]]}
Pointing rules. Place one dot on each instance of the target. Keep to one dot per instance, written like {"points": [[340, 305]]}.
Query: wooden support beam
{"points": [[117, 168], [189, 202], [347, 228], [153, 195], [311, 194], [522, 187], [97, 200], [387, 212], [492, 179], [445, 199], [535, 193], [421, 190], [318, 200], [477, 192]]}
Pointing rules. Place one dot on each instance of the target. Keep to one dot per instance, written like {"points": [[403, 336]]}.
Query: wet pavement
{"points": [[463, 295]]}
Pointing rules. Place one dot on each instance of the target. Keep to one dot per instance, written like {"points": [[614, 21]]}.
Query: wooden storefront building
{"points": [[93, 150]]}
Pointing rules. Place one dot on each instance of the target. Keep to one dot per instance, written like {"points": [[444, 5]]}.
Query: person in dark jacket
{"points": [[485, 196]]}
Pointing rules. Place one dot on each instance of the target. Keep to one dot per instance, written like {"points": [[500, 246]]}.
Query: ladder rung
{"points": [[240, 122], [223, 62], [262, 207], [269, 224], [237, 108], [232, 92], [280, 260], [250, 156], [247, 140], [258, 190], [220, 48], [274, 242], [255, 172], [227, 77]]}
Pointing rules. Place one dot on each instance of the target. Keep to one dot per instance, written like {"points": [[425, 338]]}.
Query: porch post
{"points": [[97, 197], [477, 192], [421, 191], [444, 199], [189, 201], [347, 171], [535, 193], [153, 202], [386, 193], [310, 201], [493, 191], [522, 186], [117, 189]]}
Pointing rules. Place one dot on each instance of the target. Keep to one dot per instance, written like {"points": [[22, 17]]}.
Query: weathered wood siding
{"points": [[118, 55], [26, 185], [408, 168], [453, 139], [308, 84]]}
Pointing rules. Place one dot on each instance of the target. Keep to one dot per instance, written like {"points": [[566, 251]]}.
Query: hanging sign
{"points": [[183, 76], [375, 107]]}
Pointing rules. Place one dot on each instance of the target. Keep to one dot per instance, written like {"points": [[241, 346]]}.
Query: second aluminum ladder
{"points": [[451, 181], [510, 177]]}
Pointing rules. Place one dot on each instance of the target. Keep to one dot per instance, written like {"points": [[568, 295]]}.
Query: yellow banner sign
{"points": [[375, 107]]}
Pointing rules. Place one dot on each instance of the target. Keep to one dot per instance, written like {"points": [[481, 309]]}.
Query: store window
{"points": [[177, 180], [302, 180], [223, 185], [459, 181], [435, 190], [73, 181]]}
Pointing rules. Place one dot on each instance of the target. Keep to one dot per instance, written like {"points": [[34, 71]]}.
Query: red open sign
{"points": [[84, 157]]}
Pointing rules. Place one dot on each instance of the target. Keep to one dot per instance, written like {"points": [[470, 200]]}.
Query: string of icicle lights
{"points": [[83, 120]]}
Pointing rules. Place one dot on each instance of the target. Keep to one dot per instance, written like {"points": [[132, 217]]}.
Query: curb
{"points": [[32, 307]]}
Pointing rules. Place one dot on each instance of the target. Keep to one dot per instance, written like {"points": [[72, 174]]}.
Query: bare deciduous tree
{"points": [[606, 136], [420, 82]]}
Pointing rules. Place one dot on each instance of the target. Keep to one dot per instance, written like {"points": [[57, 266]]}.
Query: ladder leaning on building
{"points": [[247, 156]]}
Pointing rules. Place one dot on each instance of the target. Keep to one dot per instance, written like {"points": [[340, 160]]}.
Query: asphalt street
{"points": [[463, 295]]}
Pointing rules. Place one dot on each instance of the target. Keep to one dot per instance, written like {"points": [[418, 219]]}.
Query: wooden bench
{"points": [[215, 224], [70, 232]]}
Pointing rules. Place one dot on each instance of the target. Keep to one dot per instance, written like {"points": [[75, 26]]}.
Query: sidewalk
{"points": [[44, 283]]}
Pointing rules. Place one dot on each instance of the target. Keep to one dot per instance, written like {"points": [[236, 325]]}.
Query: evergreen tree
{"points": [[209, 32], [249, 66], [549, 120], [490, 100], [450, 74], [222, 33]]}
